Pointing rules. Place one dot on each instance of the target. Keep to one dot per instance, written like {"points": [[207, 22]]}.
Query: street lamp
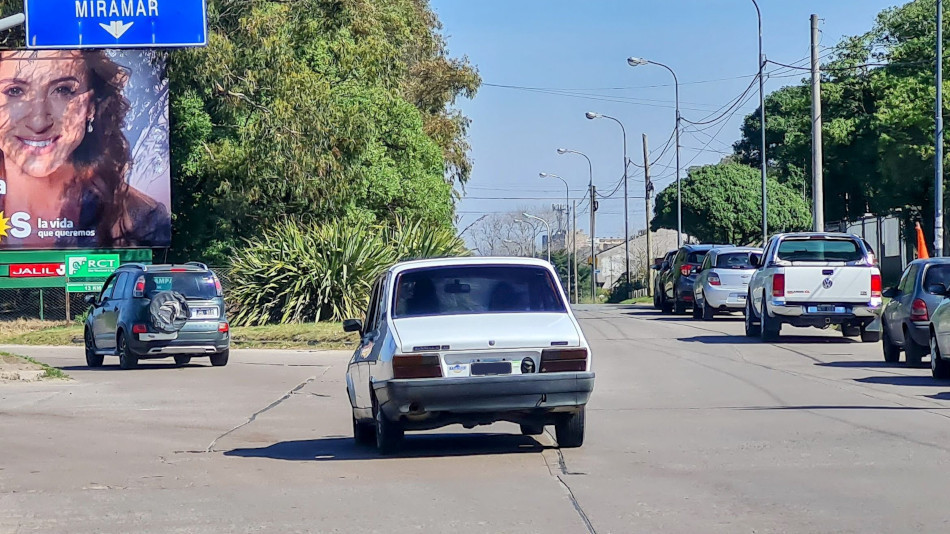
{"points": [[593, 210], [567, 205], [547, 226], [626, 225], [636, 62]]}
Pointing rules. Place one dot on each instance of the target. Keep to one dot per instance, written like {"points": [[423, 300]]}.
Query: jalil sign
{"points": [[37, 270]]}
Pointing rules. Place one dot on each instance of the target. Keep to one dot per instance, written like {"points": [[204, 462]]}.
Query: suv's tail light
{"points": [[139, 289], [918, 311], [417, 366], [217, 285], [224, 327], [685, 270], [563, 360], [875, 285], [778, 285], [139, 328], [714, 279]]}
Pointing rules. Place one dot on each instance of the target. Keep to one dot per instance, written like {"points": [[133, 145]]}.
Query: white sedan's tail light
{"points": [[563, 360], [417, 366]]}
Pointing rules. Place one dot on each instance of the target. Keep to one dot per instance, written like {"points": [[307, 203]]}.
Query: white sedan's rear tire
{"points": [[569, 431]]}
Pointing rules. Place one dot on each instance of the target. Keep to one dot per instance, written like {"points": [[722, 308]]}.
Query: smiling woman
{"points": [[65, 156]]}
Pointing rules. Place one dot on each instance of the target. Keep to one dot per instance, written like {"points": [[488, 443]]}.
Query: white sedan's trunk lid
{"points": [[499, 331]]}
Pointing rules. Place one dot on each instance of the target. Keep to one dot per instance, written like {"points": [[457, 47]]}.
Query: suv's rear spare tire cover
{"points": [[169, 311]]}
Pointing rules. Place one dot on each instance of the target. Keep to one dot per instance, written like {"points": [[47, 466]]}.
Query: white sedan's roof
{"points": [[471, 260]]}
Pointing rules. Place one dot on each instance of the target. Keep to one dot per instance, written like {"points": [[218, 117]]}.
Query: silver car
{"points": [[723, 281]]}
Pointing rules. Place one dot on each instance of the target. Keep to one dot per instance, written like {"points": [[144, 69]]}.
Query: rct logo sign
{"points": [[91, 265], [76, 264]]}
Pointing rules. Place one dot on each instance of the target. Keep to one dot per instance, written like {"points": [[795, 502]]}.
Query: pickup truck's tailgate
{"points": [[828, 284]]}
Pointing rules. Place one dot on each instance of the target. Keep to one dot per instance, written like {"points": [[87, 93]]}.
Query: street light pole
{"points": [[626, 212], [567, 204], [765, 212], [938, 156], [635, 62], [546, 226], [593, 210]]}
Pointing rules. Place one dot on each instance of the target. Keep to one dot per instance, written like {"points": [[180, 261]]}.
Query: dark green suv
{"points": [[157, 311]]}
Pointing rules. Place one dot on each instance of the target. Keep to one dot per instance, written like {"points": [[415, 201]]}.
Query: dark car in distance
{"points": [[157, 311], [906, 318], [662, 267], [676, 284]]}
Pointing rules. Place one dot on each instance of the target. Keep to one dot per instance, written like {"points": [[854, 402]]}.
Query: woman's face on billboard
{"points": [[45, 106]]}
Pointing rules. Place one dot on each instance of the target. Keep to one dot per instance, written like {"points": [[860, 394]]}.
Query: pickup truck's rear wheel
{"points": [[569, 431], [870, 336], [892, 352], [532, 430], [938, 367], [752, 329], [771, 327]]}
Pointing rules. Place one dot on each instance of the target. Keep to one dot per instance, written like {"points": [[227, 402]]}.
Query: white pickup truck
{"points": [[814, 279]]}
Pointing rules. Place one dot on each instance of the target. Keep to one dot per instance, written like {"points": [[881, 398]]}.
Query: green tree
{"points": [[721, 204]]}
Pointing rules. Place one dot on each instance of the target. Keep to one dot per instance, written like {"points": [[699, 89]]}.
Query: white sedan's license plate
{"points": [[204, 313], [737, 297]]}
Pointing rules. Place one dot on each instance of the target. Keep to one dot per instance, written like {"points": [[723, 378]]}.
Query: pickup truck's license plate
{"points": [[827, 308], [491, 368], [204, 313]]}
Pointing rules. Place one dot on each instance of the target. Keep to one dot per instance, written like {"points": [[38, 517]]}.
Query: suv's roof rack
{"points": [[197, 264], [135, 265]]}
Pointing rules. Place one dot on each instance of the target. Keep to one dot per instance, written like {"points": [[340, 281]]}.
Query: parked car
{"points": [[814, 279], [661, 269], [157, 311], [676, 287], [468, 341], [723, 281], [906, 319]]}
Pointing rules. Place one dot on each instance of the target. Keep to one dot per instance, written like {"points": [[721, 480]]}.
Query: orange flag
{"points": [[921, 244]]}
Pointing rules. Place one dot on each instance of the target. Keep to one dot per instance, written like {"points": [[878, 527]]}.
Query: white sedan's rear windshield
{"points": [[820, 250], [476, 289]]}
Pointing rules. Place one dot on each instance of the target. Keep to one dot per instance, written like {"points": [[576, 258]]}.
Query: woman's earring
{"points": [[89, 125]]}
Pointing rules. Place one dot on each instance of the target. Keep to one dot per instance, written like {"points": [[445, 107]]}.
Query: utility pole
{"points": [[765, 209], [648, 187], [593, 249], [817, 183], [573, 264], [938, 157]]}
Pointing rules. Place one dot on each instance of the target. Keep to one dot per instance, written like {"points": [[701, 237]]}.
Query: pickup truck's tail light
{"points": [[417, 366], [778, 285], [563, 360], [139, 328], [918, 311], [714, 279], [685, 270], [139, 289], [875, 286]]}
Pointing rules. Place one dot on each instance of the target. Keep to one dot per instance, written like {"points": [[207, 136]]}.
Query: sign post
{"points": [[115, 23]]}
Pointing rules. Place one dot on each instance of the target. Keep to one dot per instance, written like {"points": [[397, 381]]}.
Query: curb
{"points": [[24, 375]]}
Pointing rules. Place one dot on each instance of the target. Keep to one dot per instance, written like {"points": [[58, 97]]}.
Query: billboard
{"points": [[84, 150]]}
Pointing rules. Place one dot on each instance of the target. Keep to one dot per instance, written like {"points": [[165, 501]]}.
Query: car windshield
{"points": [[820, 250], [937, 274], [733, 260], [696, 257], [474, 290], [193, 285]]}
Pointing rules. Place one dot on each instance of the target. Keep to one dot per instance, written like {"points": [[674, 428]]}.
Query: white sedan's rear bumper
{"points": [[725, 297]]}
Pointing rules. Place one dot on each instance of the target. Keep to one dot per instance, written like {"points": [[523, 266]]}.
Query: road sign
{"points": [[91, 265], [116, 23], [84, 287]]}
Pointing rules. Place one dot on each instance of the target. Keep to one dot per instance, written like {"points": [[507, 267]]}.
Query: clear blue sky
{"points": [[582, 47]]}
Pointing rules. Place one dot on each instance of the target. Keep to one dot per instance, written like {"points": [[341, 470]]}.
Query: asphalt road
{"points": [[691, 428]]}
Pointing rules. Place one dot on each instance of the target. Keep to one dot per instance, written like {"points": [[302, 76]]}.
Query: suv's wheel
{"points": [[388, 433], [708, 311], [127, 358], [182, 360], [665, 305], [938, 367], [913, 352], [678, 305], [532, 430], [770, 327], [92, 359], [220, 359], [656, 299], [569, 431], [892, 352], [751, 328], [363, 434]]}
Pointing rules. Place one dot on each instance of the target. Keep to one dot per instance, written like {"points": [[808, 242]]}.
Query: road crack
{"points": [[560, 471], [265, 409]]}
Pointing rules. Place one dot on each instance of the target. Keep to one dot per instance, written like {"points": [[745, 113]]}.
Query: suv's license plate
{"points": [[826, 308], [491, 368], [204, 313]]}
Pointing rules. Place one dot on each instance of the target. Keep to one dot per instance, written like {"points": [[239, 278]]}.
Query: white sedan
{"points": [[723, 281], [468, 341]]}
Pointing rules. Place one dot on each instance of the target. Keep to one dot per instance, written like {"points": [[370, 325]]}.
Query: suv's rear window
{"points": [[190, 284], [696, 257], [733, 260], [819, 250], [475, 289]]}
